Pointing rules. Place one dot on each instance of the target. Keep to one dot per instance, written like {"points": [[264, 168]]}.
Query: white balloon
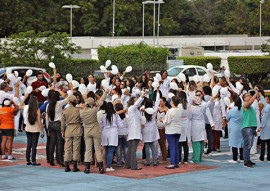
{"points": [[150, 110], [52, 57], [42, 88], [91, 87], [160, 124], [237, 83], [173, 86], [224, 91], [227, 101], [45, 92], [12, 78], [227, 73], [170, 95], [105, 84], [181, 77], [158, 76], [137, 91], [52, 65], [69, 78], [16, 100], [209, 67], [102, 68], [128, 69], [70, 92], [22, 98], [143, 120], [239, 87], [8, 71], [75, 84], [16, 74], [114, 67], [18, 79], [155, 85], [82, 89], [114, 71], [206, 78], [195, 78], [155, 79], [108, 63], [29, 89], [215, 90], [114, 97], [29, 72]]}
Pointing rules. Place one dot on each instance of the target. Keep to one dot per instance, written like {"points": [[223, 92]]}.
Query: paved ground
{"points": [[214, 173]]}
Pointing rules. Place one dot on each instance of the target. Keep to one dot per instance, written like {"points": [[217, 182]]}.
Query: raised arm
{"points": [[103, 97], [250, 101]]}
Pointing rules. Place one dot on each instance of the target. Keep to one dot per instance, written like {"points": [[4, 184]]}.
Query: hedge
{"points": [[255, 68], [77, 67], [140, 56], [201, 60]]}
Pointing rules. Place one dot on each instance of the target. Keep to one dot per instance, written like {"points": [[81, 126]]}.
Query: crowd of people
{"points": [[96, 123]]}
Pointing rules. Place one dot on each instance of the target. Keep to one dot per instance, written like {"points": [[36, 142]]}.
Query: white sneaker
{"points": [[241, 161], [232, 161], [110, 169], [4, 157]]}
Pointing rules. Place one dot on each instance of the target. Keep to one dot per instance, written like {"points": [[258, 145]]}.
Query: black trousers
{"points": [[32, 141], [131, 161], [235, 153], [56, 140], [186, 150], [208, 130], [263, 143]]}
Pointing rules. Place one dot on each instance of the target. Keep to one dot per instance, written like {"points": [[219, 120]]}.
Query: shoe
{"points": [[110, 169], [162, 161], [146, 164], [75, 167], [61, 164], [52, 164], [101, 168], [170, 167], [87, 168], [28, 163], [184, 162], [233, 161], [259, 160], [20, 130], [248, 165], [241, 161], [11, 157], [252, 163], [207, 154], [155, 165], [67, 169], [139, 168], [214, 149], [225, 137], [119, 165], [4, 157], [176, 166], [36, 164], [218, 150]]}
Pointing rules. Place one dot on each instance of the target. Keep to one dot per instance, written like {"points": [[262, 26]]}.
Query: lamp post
{"points": [[261, 2], [71, 7], [154, 17], [113, 17]]}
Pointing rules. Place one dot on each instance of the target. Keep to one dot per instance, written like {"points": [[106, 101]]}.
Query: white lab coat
{"points": [[218, 113], [109, 131], [185, 121]]}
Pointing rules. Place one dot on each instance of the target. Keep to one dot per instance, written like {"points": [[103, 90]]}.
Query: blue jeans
{"points": [[147, 152], [122, 146], [173, 140], [248, 134], [109, 155]]}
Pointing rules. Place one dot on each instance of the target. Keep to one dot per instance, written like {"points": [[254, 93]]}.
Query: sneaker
{"points": [[28, 163], [4, 157], [110, 169], [36, 164], [207, 154], [252, 163], [218, 150], [176, 166], [248, 165], [233, 161], [241, 161], [184, 162], [259, 160], [170, 167], [10, 157], [146, 164]]}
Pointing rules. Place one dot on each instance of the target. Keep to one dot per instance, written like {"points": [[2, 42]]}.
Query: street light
{"points": [[154, 18], [113, 18], [71, 7], [261, 2]]}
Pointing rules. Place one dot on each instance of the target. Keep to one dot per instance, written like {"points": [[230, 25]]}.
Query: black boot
{"points": [[101, 168], [75, 168], [87, 168], [67, 169]]}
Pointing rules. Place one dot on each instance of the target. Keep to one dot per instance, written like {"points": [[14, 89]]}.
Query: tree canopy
{"points": [[94, 18]]}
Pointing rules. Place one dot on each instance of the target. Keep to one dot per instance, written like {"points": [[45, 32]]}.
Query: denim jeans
{"points": [[208, 129], [248, 134], [153, 150], [173, 140], [122, 146], [109, 155], [131, 161], [32, 141]]}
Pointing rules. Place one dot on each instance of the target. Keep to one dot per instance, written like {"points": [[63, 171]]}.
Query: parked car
{"points": [[190, 71], [22, 70]]}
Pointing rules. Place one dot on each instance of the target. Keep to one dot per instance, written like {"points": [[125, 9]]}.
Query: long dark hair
{"points": [[148, 103], [32, 109], [238, 102], [109, 110], [119, 107], [51, 108], [183, 98], [79, 95]]}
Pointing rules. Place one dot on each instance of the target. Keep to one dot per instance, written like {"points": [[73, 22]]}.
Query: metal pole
{"points": [[71, 23], [113, 16], [143, 24], [260, 23], [158, 23], [154, 22]]}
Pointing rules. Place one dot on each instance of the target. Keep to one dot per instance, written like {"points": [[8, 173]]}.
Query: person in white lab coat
{"points": [[134, 132]]}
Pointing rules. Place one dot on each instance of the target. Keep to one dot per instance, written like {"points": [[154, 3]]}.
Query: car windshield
{"points": [[174, 71]]}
